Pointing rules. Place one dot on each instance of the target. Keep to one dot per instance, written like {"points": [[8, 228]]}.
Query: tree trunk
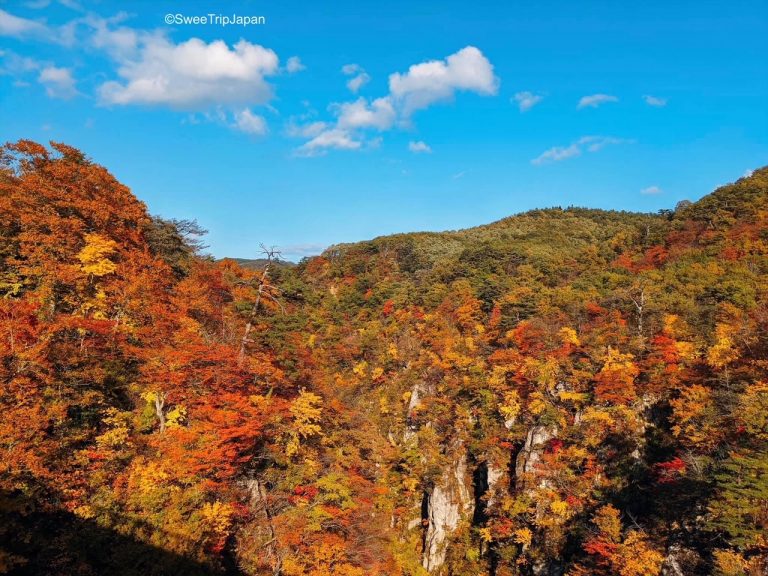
{"points": [[252, 317], [159, 405]]}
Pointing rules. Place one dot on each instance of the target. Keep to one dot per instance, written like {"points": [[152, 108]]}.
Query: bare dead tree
{"points": [[266, 291], [160, 409], [639, 302]]}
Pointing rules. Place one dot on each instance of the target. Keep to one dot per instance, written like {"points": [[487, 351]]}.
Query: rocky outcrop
{"points": [[264, 531], [448, 504], [452, 500], [414, 402], [494, 475], [680, 561], [530, 454], [547, 568]]}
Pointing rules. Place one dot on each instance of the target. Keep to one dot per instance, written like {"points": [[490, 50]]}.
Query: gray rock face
{"points": [[449, 503], [671, 567], [415, 401], [451, 500], [680, 561], [494, 475], [530, 454], [551, 568]]}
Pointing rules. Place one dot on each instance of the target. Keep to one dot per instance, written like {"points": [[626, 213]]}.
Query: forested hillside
{"points": [[563, 392]]}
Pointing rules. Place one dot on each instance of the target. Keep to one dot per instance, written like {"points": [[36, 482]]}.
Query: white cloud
{"points": [[18, 27], [438, 80], [596, 143], [120, 43], [595, 100], [306, 130], [250, 123], [37, 4], [357, 82], [527, 100], [651, 190], [379, 114], [71, 4], [25, 28], [294, 65], [193, 74], [333, 138], [422, 85], [557, 153], [360, 79], [748, 173], [419, 147], [349, 69], [14, 64], [219, 81], [585, 143], [654, 101], [58, 82], [459, 175]]}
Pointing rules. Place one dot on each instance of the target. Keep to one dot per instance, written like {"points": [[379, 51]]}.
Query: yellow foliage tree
{"points": [[94, 257], [693, 417], [118, 429], [753, 410], [306, 410], [510, 407], [569, 336], [608, 523], [636, 557]]}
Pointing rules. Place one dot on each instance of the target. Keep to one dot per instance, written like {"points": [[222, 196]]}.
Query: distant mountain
{"points": [[259, 263]]}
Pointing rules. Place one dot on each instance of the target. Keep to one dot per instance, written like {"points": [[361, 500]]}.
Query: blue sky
{"points": [[337, 122]]}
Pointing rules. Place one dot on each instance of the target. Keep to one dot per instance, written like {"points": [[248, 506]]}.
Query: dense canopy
{"points": [[565, 391]]}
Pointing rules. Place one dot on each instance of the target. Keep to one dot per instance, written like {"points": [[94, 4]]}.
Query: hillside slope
{"points": [[561, 392]]}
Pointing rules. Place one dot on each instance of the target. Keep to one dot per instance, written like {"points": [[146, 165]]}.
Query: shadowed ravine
{"points": [[44, 541]]}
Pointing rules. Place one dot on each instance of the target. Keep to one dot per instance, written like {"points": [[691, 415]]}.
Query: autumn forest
{"points": [[564, 392]]}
